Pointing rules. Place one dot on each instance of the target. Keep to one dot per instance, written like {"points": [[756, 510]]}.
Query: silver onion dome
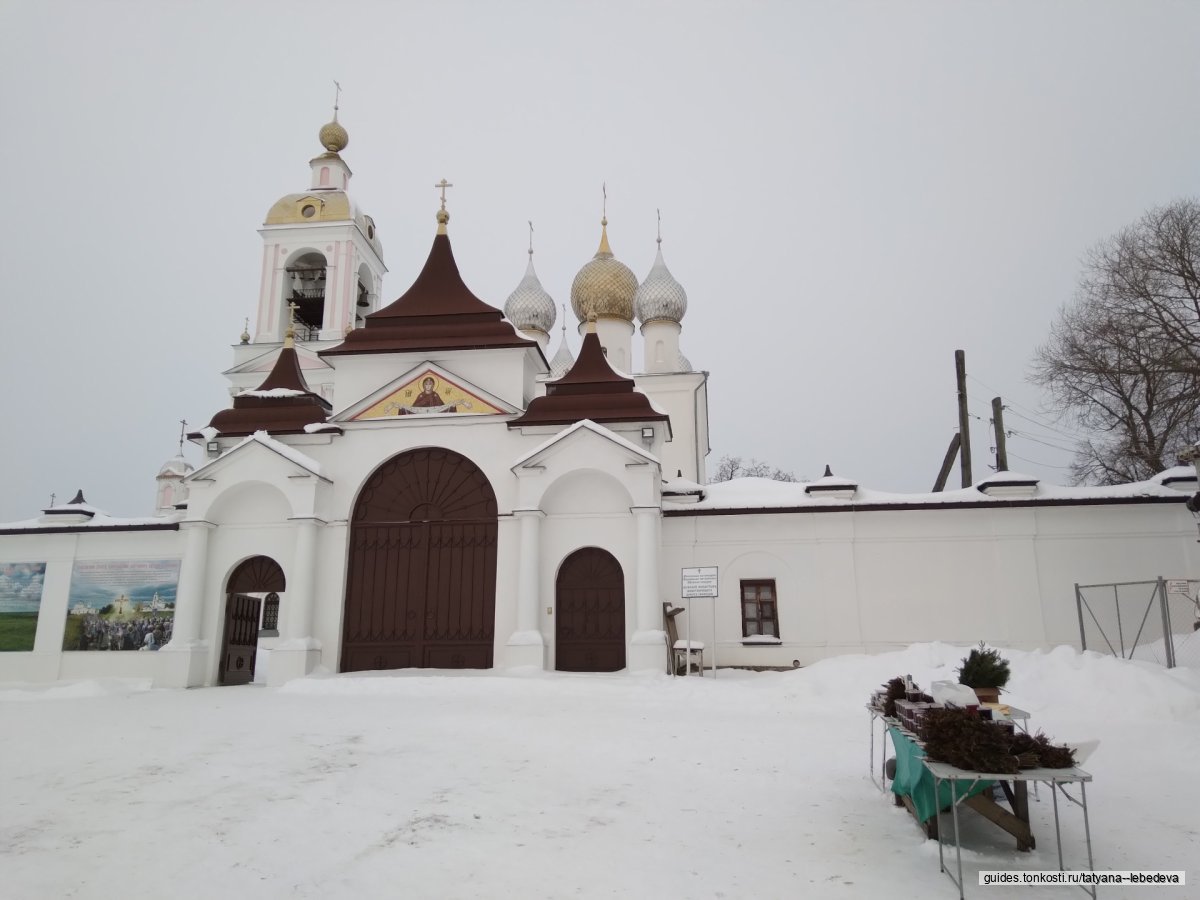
{"points": [[660, 296], [529, 307], [563, 360]]}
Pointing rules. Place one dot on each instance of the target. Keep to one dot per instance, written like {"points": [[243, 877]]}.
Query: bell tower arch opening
{"points": [[305, 287]]}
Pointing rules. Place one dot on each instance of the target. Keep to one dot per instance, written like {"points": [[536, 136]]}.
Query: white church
{"points": [[419, 482]]}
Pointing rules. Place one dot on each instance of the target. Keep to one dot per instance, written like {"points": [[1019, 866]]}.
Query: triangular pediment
{"points": [[586, 432], [426, 390], [262, 447], [266, 361]]}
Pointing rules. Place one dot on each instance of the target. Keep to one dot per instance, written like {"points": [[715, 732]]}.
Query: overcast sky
{"points": [[850, 192]]}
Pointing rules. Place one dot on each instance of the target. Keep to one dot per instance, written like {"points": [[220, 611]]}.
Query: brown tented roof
{"points": [[590, 390], [287, 414], [438, 312]]}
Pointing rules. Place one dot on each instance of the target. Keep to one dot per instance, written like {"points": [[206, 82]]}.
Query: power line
{"points": [[1036, 463], [1038, 418], [1044, 427], [1030, 437]]}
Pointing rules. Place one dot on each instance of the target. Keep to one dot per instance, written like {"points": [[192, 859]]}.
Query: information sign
{"points": [[699, 582]]}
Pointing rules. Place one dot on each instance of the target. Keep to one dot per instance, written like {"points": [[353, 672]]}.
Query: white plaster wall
{"points": [[868, 581], [681, 397]]}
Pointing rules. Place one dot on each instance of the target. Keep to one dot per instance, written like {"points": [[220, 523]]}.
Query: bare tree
{"points": [[731, 467], [1123, 358]]}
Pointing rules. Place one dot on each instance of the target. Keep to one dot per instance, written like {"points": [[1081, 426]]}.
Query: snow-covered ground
{"points": [[549, 785]]}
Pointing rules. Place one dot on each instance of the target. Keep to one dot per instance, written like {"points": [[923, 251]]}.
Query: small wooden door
{"points": [[240, 645], [590, 613]]}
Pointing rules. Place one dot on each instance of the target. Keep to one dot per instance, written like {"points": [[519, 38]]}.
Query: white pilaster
{"points": [[298, 653], [526, 646], [647, 649], [182, 660]]}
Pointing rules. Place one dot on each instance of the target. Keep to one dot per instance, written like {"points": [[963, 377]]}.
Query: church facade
{"points": [[419, 483]]}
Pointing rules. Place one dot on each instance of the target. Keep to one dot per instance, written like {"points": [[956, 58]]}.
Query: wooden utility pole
{"points": [[998, 425], [964, 427], [940, 484]]}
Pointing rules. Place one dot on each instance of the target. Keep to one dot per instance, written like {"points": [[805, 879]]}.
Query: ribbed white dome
{"points": [[529, 306], [660, 296]]}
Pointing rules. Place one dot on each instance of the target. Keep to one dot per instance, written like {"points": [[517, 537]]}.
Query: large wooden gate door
{"points": [[239, 644], [421, 586], [590, 613]]}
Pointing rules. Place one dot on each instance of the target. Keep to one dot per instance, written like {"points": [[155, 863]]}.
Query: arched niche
{"points": [[586, 491], [250, 503]]}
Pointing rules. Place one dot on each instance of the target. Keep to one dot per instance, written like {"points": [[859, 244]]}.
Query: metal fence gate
{"points": [[1155, 621]]}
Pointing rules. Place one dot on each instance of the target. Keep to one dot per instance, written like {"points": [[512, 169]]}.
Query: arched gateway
{"points": [[590, 613], [239, 643], [421, 584]]}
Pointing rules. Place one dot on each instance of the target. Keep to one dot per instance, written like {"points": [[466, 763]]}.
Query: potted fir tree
{"points": [[985, 670]]}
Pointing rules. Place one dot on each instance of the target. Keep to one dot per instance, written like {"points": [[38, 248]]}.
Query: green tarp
{"points": [[913, 779]]}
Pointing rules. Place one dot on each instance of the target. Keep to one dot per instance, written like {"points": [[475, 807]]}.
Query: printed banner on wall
{"points": [[20, 600], [121, 604]]}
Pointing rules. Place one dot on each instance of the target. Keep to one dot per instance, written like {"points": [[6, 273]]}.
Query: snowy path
{"points": [[551, 786]]}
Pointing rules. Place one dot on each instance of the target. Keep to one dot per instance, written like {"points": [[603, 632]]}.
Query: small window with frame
{"points": [[270, 616], [760, 609]]}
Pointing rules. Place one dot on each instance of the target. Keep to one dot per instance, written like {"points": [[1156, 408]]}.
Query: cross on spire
{"points": [[337, 95], [182, 433], [291, 329], [442, 185], [531, 238], [604, 204], [658, 212]]}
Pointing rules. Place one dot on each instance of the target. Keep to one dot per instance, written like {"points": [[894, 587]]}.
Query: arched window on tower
{"points": [[306, 288]]}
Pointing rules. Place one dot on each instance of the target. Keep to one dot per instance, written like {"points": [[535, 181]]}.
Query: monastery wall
{"points": [[876, 580], [126, 551]]}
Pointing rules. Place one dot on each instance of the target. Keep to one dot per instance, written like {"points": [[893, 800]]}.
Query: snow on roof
{"points": [[764, 493], [315, 427], [680, 485], [590, 426], [176, 465], [261, 437], [98, 520], [273, 392], [1008, 478], [1175, 474]]}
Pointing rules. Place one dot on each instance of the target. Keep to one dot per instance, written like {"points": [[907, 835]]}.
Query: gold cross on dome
{"points": [[443, 184]]}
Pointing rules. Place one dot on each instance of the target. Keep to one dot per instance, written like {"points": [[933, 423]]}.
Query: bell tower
{"points": [[320, 252]]}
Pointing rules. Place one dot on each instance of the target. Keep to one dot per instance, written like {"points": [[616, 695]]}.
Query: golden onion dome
{"points": [[604, 286], [333, 136]]}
